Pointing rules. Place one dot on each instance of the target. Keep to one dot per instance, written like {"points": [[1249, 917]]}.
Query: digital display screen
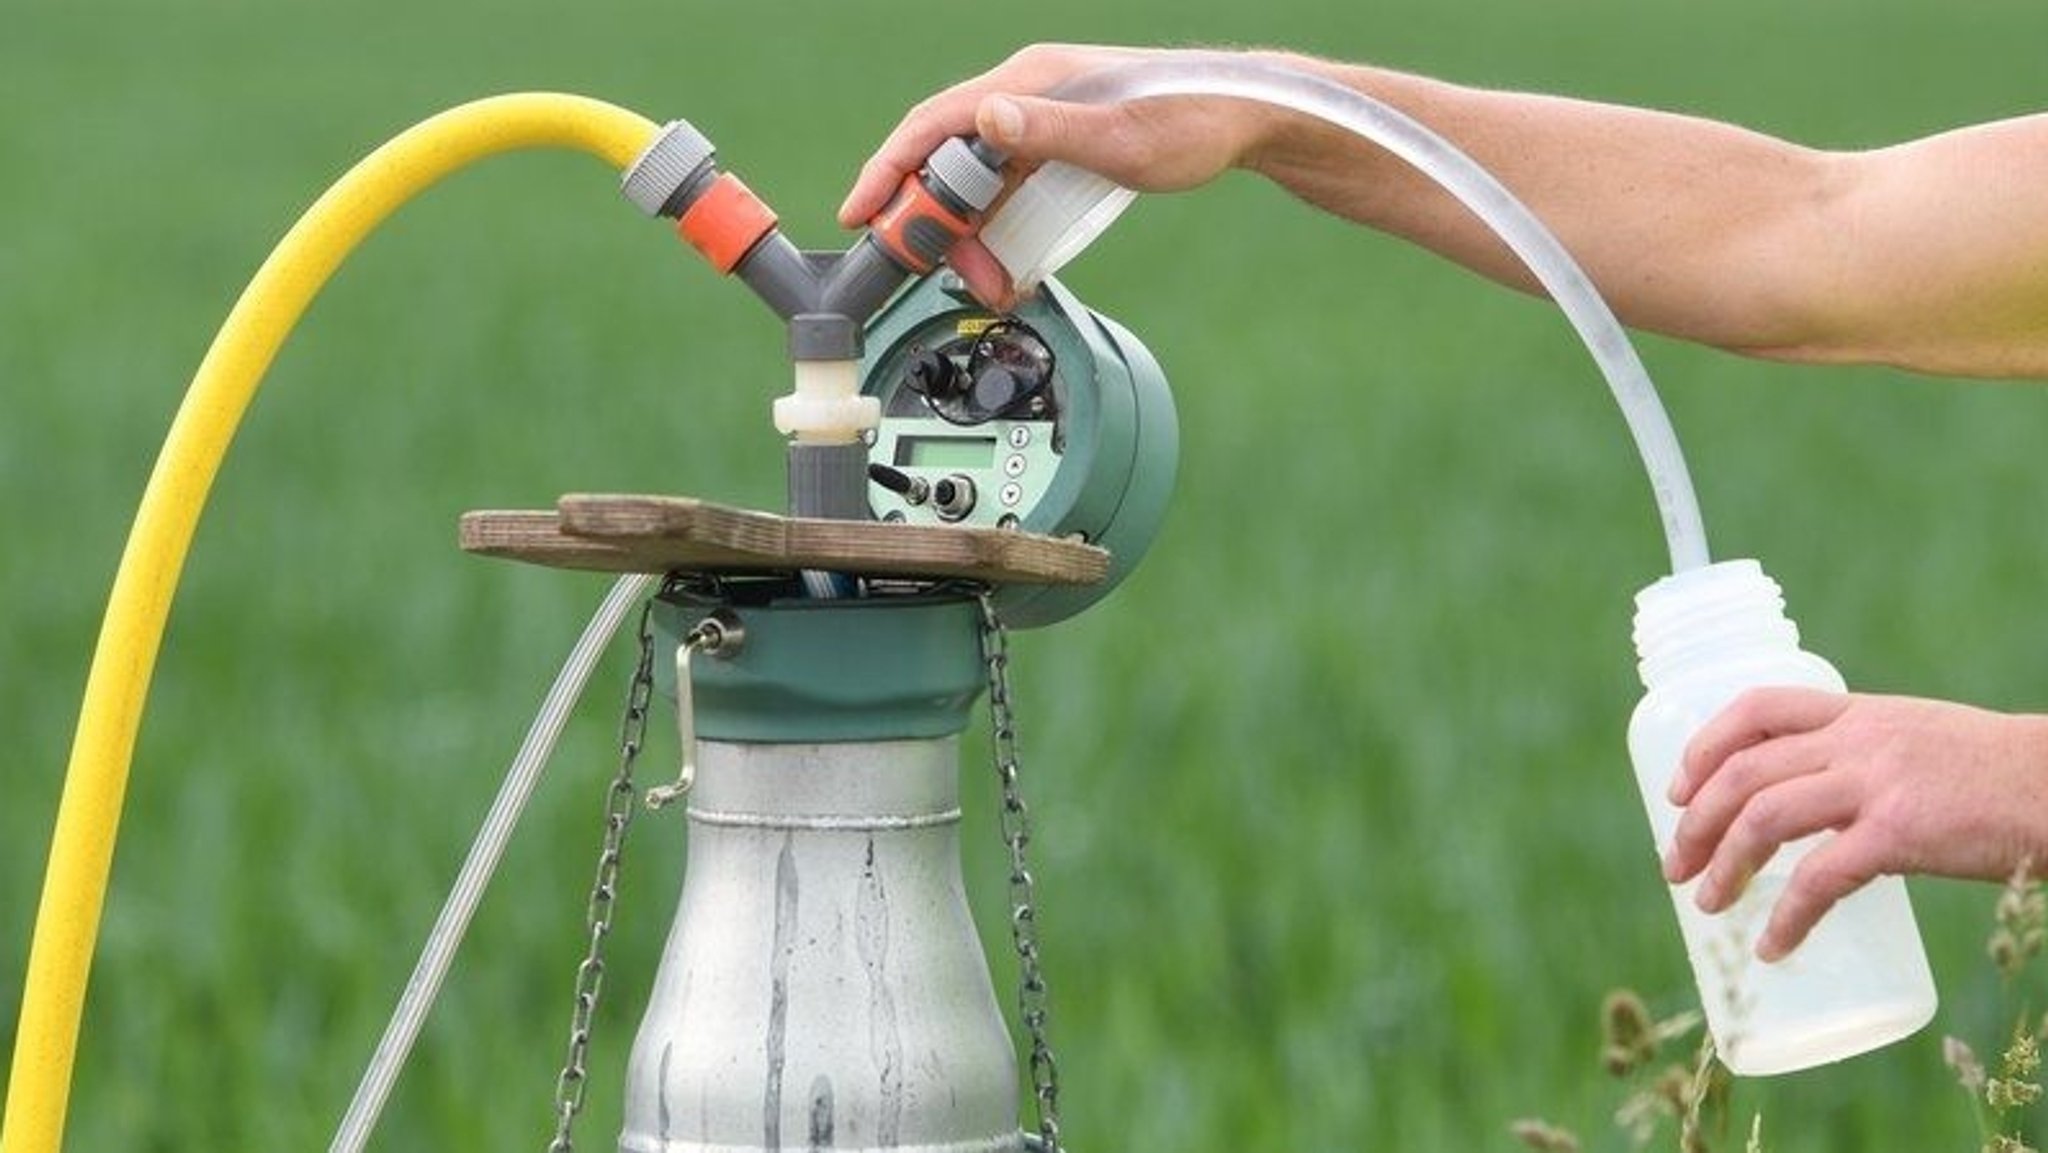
{"points": [[946, 452]]}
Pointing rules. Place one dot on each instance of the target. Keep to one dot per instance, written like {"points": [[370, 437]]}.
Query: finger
{"points": [[1109, 139], [1030, 128], [984, 276], [952, 113], [1715, 805], [1756, 715], [1023, 127], [1834, 869], [1141, 144], [913, 140], [1798, 808]]}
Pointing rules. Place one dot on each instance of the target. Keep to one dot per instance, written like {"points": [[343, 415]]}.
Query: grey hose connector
{"points": [[672, 169], [964, 175]]}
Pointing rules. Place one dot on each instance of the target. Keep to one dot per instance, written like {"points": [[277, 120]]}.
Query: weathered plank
{"points": [[610, 533]]}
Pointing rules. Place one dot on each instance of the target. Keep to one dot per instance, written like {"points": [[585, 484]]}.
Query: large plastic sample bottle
{"points": [[1860, 979]]}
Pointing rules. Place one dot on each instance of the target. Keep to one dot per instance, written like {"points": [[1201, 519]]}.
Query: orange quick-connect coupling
{"points": [[677, 176], [917, 226], [938, 205], [726, 222]]}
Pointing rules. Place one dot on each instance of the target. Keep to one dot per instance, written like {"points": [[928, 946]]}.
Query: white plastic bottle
{"points": [[1860, 979]]}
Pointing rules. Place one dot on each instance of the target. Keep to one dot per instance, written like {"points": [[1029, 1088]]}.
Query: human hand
{"points": [[1163, 144], [1908, 785]]}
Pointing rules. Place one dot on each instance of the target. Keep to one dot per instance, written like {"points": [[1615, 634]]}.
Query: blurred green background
{"points": [[1339, 845]]}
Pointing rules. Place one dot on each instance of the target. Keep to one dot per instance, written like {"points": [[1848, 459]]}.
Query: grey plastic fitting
{"points": [[671, 172], [861, 280], [824, 336], [959, 172], [784, 277]]}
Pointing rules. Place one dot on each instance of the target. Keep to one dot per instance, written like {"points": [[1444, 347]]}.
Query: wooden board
{"points": [[669, 534]]}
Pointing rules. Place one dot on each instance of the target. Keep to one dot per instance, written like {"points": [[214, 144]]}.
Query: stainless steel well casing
{"points": [[823, 987]]}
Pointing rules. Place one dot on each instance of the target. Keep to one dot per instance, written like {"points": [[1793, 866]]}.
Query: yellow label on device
{"points": [[975, 325]]}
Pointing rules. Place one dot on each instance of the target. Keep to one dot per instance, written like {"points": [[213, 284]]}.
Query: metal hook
{"points": [[720, 635]]}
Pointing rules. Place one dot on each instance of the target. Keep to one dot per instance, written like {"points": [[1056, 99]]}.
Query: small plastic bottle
{"points": [[1047, 220], [1860, 979]]}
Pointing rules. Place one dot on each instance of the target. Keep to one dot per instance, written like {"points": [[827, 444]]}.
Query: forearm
{"points": [[1689, 227], [1931, 255]]}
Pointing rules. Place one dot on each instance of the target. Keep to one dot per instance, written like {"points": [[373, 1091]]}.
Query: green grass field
{"points": [[1339, 843]]}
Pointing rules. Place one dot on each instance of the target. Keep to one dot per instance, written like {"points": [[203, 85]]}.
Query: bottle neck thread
{"points": [[1703, 615]]}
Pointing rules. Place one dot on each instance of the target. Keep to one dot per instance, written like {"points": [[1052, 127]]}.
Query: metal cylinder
{"points": [[823, 987]]}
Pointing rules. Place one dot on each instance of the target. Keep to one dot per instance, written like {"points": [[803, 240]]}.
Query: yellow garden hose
{"points": [[88, 817]]}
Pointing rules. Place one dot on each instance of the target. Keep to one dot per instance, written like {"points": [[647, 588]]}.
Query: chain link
{"points": [[1033, 1003], [618, 816]]}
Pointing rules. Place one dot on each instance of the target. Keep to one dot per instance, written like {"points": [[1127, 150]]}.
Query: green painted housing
{"points": [[868, 669]]}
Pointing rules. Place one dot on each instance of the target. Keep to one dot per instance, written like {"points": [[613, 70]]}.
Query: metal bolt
{"points": [[721, 634]]}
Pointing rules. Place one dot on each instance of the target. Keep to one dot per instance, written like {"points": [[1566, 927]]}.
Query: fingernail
{"points": [[1707, 897], [1768, 950], [1671, 866], [1676, 793], [1005, 117]]}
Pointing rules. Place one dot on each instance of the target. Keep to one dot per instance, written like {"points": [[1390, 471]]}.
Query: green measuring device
{"points": [[1050, 419]]}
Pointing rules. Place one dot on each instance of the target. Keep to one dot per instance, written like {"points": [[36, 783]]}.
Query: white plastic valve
{"points": [[1050, 218], [827, 407]]}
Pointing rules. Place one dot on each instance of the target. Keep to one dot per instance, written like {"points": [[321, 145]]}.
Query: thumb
{"points": [[1162, 145], [1028, 128]]}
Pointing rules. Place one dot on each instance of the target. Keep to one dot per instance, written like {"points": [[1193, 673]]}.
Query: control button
{"points": [[1010, 494], [1020, 436], [1014, 466]]}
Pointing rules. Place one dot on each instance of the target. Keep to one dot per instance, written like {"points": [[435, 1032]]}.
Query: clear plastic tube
{"points": [[1488, 199], [484, 855]]}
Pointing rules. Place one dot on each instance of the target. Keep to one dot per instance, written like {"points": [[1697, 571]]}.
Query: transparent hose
{"points": [[1474, 187], [483, 859]]}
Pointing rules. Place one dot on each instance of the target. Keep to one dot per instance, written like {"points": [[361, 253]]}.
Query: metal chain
{"points": [[618, 815], [1033, 1003]]}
